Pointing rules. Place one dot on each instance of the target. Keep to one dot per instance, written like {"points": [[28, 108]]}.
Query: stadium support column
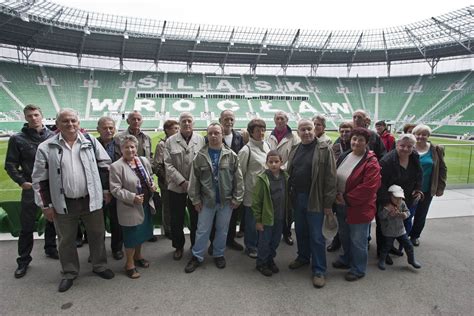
{"points": [[160, 44], [354, 53], [314, 67], [433, 62], [25, 54], [386, 54], [263, 45], [197, 41], [294, 45], [231, 43]]}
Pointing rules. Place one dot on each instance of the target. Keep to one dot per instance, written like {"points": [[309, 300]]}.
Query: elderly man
{"points": [[312, 183], [106, 129], [234, 141], [215, 189], [19, 162], [69, 175], [180, 150], [319, 122], [282, 140], [387, 138], [360, 118]]}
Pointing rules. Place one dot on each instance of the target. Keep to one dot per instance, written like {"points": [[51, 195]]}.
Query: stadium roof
{"points": [[47, 25]]}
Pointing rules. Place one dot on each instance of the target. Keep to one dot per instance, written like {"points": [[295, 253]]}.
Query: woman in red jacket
{"points": [[358, 179]]}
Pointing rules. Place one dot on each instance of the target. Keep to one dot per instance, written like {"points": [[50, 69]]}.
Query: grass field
{"points": [[458, 159]]}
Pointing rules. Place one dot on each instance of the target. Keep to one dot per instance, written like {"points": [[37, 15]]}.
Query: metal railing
{"points": [[460, 163]]}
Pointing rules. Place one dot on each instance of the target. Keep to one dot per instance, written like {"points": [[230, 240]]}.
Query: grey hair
{"points": [[186, 114], [409, 137], [305, 121], [421, 128], [133, 113], [128, 139], [66, 110], [320, 118], [283, 113], [104, 119]]}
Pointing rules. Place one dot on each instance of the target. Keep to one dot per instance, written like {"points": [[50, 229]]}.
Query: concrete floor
{"points": [[443, 285]]}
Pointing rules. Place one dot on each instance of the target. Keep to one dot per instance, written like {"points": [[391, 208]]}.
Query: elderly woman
{"points": [[358, 179], [319, 122], [131, 183], [434, 177], [401, 167], [252, 158]]}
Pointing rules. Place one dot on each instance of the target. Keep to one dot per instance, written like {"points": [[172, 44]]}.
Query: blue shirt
{"points": [[110, 149], [215, 154], [426, 161]]}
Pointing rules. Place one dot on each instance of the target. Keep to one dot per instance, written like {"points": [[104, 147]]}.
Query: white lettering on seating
{"points": [[144, 104], [293, 86], [335, 107], [305, 107], [266, 107], [228, 105], [181, 85], [98, 106], [184, 105], [225, 85], [262, 85], [147, 82]]}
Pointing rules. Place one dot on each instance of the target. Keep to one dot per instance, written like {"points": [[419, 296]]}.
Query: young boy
{"points": [[270, 208], [391, 217]]}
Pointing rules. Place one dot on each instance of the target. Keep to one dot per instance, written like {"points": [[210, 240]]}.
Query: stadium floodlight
{"points": [[125, 35], [86, 30], [24, 17]]}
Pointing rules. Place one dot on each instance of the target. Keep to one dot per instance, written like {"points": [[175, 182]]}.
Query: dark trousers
{"points": [[116, 241], [420, 215], [28, 214], [388, 242], [232, 226], [166, 212], [241, 217], [268, 241], [178, 204]]}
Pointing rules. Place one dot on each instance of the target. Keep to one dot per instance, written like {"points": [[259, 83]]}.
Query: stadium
{"points": [[99, 64]]}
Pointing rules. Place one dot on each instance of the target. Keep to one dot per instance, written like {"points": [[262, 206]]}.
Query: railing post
{"points": [[469, 168]]}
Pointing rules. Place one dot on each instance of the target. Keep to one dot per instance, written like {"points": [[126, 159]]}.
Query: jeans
{"points": [[309, 236], [354, 243], [250, 233], [222, 213], [420, 215], [28, 214], [408, 223], [178, 204], [232, 225], [388, 242], [268, 241]]}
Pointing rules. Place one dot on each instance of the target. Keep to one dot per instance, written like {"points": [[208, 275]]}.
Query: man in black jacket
{"points": [[360, 119], [19, 163]]}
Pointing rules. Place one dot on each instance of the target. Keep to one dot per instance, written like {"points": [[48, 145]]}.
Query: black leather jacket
{"points": [[21, 153]]}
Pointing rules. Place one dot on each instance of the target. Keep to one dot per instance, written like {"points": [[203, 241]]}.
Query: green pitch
{"points": [[459, 159]]}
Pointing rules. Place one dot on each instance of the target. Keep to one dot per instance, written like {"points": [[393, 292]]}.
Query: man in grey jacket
{"points": [[69, 175], [19, 166], [215, 189]]}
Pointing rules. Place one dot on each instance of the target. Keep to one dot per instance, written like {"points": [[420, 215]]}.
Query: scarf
{"points": [[143, 172]]}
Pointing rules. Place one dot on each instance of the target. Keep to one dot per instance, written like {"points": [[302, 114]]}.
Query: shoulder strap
{"points": [[88, 136], [248, 159]]}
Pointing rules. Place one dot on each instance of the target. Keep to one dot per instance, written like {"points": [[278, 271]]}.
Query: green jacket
{"points": [[262, 206], [231, 183]]}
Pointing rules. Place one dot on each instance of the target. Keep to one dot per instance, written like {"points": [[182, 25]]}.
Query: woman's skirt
{"points": [[134, 236]]}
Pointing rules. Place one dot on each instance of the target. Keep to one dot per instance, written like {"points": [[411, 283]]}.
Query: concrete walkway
{"points": [[443, 285]]}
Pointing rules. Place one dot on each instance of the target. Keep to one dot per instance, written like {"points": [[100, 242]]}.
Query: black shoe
{"points": [[210, 250], [79, 244], [117, 255], [265, 270], [153, 239], [178, 254], [396, 252], [21, 271], [296, 264], [65, 285], [239, 234], [288, 240], [335, 245], [220, 262], [352, 277], [192, 265], [339, 265], [106, 274], [415, 241], [168, 235], [273, 267], [53, 254], [388, 260], [89, 259], [235, 245]]}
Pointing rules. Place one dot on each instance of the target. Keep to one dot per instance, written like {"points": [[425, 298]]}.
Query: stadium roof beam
{"points": [[442, 26], [354, 53], [122, 52], [160, 44], [386, 54], [293, 46], [421, 48], [231, 43], [263, 45], [197, 41], [314, 68], [43, 31]]}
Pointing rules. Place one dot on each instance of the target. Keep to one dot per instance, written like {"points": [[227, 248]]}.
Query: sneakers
{"points": [[265, 270], [220, 262], [319, 281], [252, 253], [192, 265], [296, 264]]}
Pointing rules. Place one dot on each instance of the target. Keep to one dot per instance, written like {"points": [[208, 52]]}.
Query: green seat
{"points": [[10, 219]]}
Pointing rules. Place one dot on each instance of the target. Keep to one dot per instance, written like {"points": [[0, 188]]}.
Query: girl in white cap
{"points": [[391, 218]]}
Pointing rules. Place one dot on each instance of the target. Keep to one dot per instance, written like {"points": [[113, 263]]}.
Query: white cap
{"points": [[396, 190]]}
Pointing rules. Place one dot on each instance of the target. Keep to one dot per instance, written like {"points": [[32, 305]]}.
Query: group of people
{"points": [[269, 182]]}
